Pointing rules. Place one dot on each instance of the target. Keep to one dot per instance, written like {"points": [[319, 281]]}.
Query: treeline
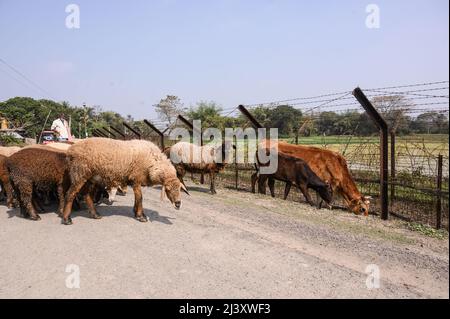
{"points": [[34, 115], [290, 120]]}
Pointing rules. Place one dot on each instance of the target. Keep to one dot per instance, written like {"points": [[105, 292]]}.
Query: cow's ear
{"points": [[367, 199]]}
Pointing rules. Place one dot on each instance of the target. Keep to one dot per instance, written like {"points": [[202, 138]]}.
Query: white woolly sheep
{"points": [[136, 162], [209, 159]]}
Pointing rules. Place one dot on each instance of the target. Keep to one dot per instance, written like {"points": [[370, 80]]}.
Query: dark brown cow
{"points": [[295, 171]]}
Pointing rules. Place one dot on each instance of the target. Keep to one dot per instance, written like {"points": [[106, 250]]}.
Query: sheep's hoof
{"points": [[67, 221], [36, 217], [142, 219], [96, 216]]}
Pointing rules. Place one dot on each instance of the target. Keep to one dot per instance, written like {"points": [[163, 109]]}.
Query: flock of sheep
{"points": [[96, 167], [81, 170]]}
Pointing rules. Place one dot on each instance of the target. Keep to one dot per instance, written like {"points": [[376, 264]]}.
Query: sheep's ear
{"points": [[163, 192], [184, 189]]}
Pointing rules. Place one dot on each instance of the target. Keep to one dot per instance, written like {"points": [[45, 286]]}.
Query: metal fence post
{"points": [[189, 124], [132, 130], [393, 173], [384, 148], [161, 134], [439, 193]]}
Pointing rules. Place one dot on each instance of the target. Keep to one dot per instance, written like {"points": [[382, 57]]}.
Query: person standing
{"points": [[61, 127]]}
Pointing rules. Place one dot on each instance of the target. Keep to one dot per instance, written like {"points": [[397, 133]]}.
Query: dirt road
{"points": [[232, 245]]}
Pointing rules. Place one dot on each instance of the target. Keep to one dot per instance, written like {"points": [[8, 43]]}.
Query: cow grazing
{"points": [[329, 166], [295, 171]]}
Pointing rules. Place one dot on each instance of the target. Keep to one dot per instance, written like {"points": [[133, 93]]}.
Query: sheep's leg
{"points": [[70, 196], [122, 190], [138, 209], [212, 177], [91, 207], [287, 189], [60, 190], [271, 184], [254, 179], [47, 198], [304, 189], [26, 196], [37, 204], [9, 194]]}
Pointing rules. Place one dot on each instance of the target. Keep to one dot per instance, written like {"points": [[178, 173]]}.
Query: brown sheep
{"points": [[136, 163], [4, 181], [37, 169]]}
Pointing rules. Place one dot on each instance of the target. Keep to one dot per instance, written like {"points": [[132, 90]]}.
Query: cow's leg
{"points": [[262, 184], [254, 179], [138, 209], [304, 189], [70, 196], [212, 177], [271, 183], [287, 188]]}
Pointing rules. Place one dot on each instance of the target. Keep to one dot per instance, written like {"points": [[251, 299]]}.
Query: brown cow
{"points": [[329, 166]]}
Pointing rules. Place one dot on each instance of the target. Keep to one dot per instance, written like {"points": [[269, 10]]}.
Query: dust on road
{"points": [[231, 245]]}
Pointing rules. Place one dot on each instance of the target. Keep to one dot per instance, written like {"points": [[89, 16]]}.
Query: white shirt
{"points": [[61, 127]]}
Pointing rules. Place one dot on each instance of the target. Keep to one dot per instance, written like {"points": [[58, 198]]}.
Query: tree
{"points": [[326, 123], [208, 113], [286, 118], [31, 115], [394, 108], [169, 108], [431, 123]]}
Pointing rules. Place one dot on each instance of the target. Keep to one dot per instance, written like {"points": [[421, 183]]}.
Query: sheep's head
{"points": [[172, 189], [360, 206]]}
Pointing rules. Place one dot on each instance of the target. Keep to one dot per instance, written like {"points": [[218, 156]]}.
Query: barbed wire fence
{"points": [[419, 163]]}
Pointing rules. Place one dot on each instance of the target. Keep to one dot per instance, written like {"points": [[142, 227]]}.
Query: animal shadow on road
{"points": [[127, 211], [105, 211]]}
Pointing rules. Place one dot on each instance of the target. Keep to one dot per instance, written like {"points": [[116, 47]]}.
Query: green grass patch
{"points": [[428, 230]]}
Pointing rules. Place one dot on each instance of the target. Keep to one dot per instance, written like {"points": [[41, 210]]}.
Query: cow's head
{"points": [[361, 205], [172, 189]]}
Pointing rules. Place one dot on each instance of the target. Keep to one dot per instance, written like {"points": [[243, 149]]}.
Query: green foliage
{"points": [[428, 230], [8, 140], [208, 113], [31, 115]]}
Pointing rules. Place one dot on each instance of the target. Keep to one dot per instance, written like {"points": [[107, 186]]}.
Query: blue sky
{"points": [[129, 54]]}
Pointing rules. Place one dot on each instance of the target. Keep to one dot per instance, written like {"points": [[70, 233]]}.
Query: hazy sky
{"points": [[129, 54]]}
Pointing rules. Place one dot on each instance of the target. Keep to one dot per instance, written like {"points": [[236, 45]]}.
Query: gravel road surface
{"points": [[230, 245]]}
